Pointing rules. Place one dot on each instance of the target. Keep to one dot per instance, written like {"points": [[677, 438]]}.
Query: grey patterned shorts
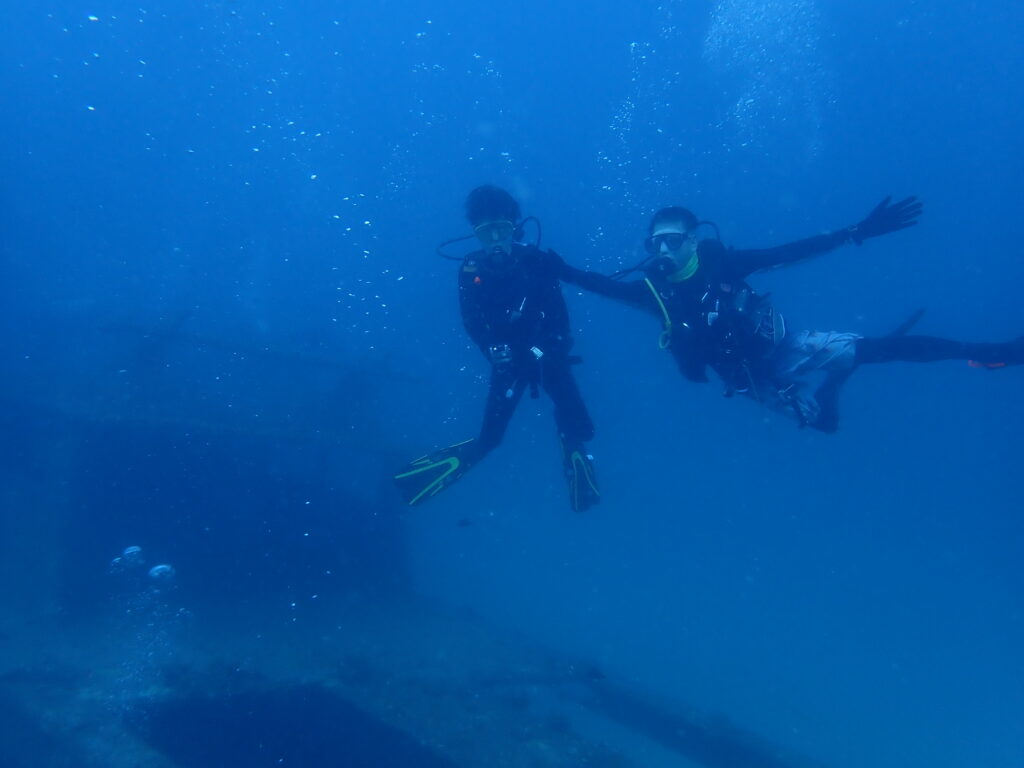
{"points": [[806, 352]]}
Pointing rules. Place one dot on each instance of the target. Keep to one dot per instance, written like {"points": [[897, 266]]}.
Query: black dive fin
{"points": [[579, 471], [1011, 353], [907, 325], [429, 475]]}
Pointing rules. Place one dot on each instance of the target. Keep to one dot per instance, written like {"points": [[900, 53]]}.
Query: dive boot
{"points": [[579, 471], [429, 475]]}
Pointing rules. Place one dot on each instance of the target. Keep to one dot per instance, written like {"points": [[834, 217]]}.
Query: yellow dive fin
{"points": [[429, 475], [579, 471]]}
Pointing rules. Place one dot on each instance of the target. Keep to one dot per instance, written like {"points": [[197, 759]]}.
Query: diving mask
{"points": [[494, 231], [673, 241]]}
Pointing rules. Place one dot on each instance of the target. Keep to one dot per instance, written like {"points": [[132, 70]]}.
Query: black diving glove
{"points": [[886, 218], [500, 355], [517, 360], [512, 365]]}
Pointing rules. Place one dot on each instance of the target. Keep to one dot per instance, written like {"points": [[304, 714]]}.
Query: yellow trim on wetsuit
{"points": [[687, 271]]}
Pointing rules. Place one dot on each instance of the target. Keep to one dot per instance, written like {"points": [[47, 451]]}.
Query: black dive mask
{"points": [[672, 240]]}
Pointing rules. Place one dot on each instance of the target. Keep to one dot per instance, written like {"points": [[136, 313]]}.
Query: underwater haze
{"points": [[226, 327]]}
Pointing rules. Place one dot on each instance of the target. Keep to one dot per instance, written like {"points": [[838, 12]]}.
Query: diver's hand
{"points": [[501, 356], [515, 360], [886, 218]]}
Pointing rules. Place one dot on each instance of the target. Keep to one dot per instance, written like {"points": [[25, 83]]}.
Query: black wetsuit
{"points": [[713, 317], [517, 316]]}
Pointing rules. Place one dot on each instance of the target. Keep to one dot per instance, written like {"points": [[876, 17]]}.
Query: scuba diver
{"points": [[712, 318], [513, 309]]}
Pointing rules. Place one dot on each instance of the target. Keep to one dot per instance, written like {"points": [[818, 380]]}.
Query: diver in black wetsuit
{"points": [[512, 307], [711, 316]]}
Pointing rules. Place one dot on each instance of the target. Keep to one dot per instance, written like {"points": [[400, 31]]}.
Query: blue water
{"points": [[218, 222]]}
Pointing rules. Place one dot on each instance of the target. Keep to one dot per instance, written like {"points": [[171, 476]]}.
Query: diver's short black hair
{"points": [[488, 203], [673, 213]]}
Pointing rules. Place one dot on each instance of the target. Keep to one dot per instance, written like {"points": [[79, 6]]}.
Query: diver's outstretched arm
{"points": [[884, 218], [633, 292]]}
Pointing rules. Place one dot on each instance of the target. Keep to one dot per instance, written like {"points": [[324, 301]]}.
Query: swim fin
{"points": [[579, 471], [1001, 355], [429, 475]]}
